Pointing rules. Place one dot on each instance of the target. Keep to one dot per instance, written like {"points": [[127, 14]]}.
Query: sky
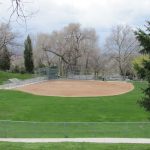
{"points": [[49, 15]]}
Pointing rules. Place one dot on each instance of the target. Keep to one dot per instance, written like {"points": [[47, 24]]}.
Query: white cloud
{"points": [[95, 13], [100, 14]]}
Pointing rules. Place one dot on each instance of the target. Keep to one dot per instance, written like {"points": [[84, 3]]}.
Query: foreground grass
{"points": [[114, 109], [72, 146], [73, 130], [4, 76], [19, 106]]}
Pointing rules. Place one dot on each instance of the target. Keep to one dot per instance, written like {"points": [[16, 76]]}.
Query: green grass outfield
{"points": [[4, 76], [114, 116], [72, 146], [21, 106]]}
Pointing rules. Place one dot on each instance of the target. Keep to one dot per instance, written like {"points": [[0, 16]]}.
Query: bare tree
{"points": [[66, 44], [122, 45], [42, 58], [17, 8], [75, 45], [99, 64], [72, 47], [7, 37]]}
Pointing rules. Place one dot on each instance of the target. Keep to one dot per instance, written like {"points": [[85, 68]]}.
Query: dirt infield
{"points": [[77, 88]]}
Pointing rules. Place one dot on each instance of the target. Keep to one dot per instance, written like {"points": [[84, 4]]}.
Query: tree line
{"points": [[73, 48]]}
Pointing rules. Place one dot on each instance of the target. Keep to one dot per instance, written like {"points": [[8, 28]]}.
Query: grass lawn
{"points": [[27, 107], [19, 106], [4, 76], [72, 146], [73, 130]]}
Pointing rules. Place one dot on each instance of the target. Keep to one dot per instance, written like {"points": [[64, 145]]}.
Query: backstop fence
{"points": [[23, 129], [74, 72], [69, 72]]}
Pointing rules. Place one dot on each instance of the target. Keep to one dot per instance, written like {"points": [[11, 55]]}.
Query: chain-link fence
{"points": [[78, 72], [18, 129], [73, 72]]}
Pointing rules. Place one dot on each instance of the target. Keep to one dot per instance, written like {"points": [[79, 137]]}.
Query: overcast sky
{"points": [[99, 14]]}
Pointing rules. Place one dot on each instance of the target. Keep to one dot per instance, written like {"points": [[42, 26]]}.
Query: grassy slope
{"points": [[72, 146], [21, 106], [4, 76]]}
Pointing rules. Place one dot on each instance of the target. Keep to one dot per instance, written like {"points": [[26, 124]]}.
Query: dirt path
{"points": [[89, 140], [78, 88]]}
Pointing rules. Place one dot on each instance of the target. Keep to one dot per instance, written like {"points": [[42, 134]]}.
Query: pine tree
{"points": [[5, 59], [28, 55], [144, 39]]}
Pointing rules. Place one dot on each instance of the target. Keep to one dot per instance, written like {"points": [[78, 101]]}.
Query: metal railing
{"points": [[23, 82]]}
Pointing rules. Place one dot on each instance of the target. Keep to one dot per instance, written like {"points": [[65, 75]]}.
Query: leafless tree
{"points": [[66, 44], [42, 58], [90, 48], [122, 45], [7, 37], [18, 10], [72, 47], [99, 64]]}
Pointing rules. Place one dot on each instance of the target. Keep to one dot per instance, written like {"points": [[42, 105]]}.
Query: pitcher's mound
{"points": [[77, 88]]}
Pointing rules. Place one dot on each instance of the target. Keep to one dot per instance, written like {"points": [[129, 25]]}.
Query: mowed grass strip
{"points": [[73, 130], [4, 76], [20, 106], [71, 146]]}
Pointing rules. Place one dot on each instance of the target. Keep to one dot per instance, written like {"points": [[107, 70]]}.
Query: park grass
{"points": [[110, 116], [4, 76], [71, 146], [73, 130], [19, 106]]}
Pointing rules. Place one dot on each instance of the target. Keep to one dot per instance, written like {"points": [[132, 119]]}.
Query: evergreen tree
{"points": [[5, 59], [28, 55], [144, 39]]}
